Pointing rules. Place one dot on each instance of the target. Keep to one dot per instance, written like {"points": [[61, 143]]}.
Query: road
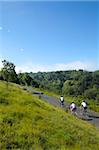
{"points": [[91, 117]]}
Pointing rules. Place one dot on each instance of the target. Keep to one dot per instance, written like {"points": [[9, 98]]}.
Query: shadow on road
{"points": [[92, 116]]}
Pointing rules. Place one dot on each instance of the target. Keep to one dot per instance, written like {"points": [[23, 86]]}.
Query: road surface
{"points": [[91, 117]]}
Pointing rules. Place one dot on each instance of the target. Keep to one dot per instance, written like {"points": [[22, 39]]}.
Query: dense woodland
{"points": [[73, 83], [68, 83]]}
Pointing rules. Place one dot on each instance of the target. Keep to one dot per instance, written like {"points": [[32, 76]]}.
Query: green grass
{"points": [[92, 104], [27, 122]]}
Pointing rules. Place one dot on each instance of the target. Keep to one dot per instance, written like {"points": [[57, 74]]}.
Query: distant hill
{"points": [[72, 83], [27, 122], [68, 83], [75, 84]]}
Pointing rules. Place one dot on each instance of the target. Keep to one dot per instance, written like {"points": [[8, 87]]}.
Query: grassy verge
{"points": [[93, 105], [29, 123]]}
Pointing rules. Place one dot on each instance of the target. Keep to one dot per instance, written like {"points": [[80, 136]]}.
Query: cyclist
{"points": [[84, 106], [72, 108], [62, 100]]}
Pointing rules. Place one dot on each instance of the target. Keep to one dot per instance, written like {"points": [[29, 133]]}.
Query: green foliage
{"points": [[29, 123], [91, 93], [8, 72], [71, 83], [74, 85], [25, 79], [70, 87]]}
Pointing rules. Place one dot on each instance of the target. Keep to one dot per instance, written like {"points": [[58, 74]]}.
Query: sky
{"points": [[50, 36]]}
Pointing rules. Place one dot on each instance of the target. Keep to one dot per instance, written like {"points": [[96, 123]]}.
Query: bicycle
{"points": [[84, 111], [74, 112], [61, 103]]}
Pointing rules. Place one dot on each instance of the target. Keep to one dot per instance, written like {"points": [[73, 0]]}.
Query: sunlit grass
{"points": [[27, 122]]}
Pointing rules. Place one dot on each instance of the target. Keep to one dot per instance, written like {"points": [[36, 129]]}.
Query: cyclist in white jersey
{"points": [[62, 100], [84, 105]]}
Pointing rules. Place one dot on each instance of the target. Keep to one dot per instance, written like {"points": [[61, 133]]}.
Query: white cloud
{"points": [[77, 65], [4, 28], [9, 30], [22, 49], [29, 67], [1, 28]]}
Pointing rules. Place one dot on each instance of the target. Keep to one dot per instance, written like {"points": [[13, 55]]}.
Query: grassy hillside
{"points": [[93, 105], [29, 123]]}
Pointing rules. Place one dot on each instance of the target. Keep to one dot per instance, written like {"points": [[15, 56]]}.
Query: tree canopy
{"points": [[8, 72], [71, 83]]}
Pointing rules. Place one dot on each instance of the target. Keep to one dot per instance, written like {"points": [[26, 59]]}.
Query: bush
{"points": [[90, 93]]}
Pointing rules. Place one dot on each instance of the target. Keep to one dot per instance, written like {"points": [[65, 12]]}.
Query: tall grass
{"points": [[27, 122]]}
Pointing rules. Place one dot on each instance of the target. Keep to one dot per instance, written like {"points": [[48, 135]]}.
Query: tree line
{"points": [[69, 83]]}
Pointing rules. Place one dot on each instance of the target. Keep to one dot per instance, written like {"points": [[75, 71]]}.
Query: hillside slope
{"points": [[28, 123]]}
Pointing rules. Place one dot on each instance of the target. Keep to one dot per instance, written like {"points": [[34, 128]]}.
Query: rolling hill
{"points": [[27, 122]]}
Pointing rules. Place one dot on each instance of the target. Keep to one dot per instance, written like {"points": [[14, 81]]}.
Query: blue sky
{"points": [[49, 36]]}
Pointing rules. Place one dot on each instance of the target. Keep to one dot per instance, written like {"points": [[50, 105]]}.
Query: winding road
{"points": [[91, 117]]}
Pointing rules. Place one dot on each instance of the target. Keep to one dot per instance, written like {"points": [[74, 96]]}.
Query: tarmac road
{"points": [[91, 117]]}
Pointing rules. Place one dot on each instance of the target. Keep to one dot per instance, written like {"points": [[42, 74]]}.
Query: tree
{"points": [[8, 72], [91, 93], [26, 79]]}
